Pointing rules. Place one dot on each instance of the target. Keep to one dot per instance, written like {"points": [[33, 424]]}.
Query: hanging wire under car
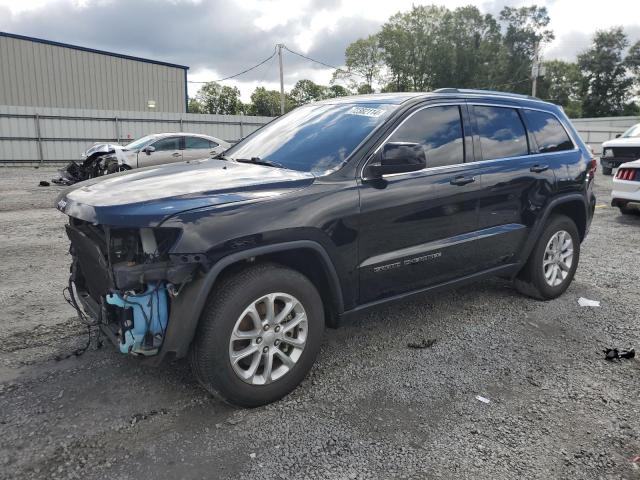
{"points": [[70, 298]]}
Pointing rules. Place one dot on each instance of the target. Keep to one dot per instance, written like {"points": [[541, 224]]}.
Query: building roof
{"points": [[91, 50]]}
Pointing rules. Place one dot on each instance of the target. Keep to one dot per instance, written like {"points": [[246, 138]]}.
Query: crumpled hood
{"points": [[147, 196], [101, 148], [622, 142]]}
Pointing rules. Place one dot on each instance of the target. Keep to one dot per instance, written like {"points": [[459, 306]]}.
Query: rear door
{"points": [[198, 147], [418, 229], [518, 181], [167, 150]]}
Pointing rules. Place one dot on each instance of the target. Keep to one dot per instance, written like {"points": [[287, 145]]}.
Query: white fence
{"points": [[31, 135]]}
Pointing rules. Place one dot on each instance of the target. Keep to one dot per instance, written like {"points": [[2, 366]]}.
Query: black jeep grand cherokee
{"points": [[240, 261]]}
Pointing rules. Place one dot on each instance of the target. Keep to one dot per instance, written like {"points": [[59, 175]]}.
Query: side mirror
{"points": [[398, 157], [618, 135], [149, 149]]}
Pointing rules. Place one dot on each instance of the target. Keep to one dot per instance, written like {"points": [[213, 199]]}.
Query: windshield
{"points": [[140, 143], [312, 138], [632, 132]]}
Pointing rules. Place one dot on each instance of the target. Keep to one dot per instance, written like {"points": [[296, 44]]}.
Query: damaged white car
{"points": [[157, 149]]}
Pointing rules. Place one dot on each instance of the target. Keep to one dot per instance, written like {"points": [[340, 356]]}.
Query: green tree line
{"points": [[430, 47]]}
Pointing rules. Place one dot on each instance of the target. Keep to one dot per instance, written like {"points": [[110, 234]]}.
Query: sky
{"points": [[219, 38]]}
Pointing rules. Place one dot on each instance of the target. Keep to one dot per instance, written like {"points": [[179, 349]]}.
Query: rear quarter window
{"points": [[501, 132], [548, 132]]}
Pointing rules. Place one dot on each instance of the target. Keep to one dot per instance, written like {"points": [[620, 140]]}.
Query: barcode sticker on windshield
{"points": [[365, 111]]}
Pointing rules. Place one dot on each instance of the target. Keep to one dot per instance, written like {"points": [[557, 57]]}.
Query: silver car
{"points": [[161, 148]]}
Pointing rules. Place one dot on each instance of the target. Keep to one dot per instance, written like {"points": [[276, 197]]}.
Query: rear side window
{"points": [[439, 131], [501, 132], [549, 133], [196, 143]]}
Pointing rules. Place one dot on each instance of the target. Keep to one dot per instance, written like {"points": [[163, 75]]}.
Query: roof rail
{"points": [[484, 92]]}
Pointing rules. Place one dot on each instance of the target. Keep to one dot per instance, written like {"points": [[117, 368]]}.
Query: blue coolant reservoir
{"points": [[150, 315]]}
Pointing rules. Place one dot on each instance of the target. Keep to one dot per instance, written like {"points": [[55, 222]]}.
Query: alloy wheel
{"points": [[268, 338], [558, 258]]}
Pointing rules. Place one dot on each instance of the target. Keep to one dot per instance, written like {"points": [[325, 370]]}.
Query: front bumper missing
{"points": [[131, 303]]}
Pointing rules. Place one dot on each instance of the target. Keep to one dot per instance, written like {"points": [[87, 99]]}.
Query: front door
{"points": [[166, 150], [418, 229]]}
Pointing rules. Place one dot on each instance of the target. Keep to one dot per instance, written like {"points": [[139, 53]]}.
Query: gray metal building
{"points": [[42, 73]]}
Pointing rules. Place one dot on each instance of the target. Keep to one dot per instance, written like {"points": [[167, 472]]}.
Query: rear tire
{"points": [[553, 261], [607, 170], [245, 318]]}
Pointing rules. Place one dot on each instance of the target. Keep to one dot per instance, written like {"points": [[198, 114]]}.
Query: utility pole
{"points": [[279, 46], [535, 71]]}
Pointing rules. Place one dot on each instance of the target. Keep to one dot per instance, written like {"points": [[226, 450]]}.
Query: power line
{"points": [[242, 72], [319, 62]]}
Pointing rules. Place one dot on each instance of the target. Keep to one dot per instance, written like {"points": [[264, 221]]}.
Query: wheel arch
{"points": [[572, 205], [302, 255]]}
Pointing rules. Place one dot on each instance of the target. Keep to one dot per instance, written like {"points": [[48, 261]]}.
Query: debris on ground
{"points": [[615, 354], [137, 417], [44, 183], [585, 302], [424, 343], [482, 399]]}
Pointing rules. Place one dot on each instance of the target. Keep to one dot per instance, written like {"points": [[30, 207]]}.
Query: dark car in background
{"points": [[240, 261]]}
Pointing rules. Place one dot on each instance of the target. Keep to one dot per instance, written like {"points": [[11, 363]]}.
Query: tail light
{"points": [[626, 174], [593, 166]]}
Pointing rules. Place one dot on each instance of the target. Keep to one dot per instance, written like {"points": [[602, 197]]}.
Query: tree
{"points": [[415, 51], [363, 60], [194, 106], [606, 87], [633, 64], [562, 84], [216, 98], [525, 31], [476, 44], [337, 91], [305, 91], [267, 102]]}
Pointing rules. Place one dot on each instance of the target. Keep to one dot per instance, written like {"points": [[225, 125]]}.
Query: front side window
{"points": [[166, 144], [196, 143], [438, 130], [501, 132], [550, 135], [313, 138], [140, 143]]}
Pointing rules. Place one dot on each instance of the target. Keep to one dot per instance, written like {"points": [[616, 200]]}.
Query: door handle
{"points": [[462, 180], [539, 168], [176, 154]]}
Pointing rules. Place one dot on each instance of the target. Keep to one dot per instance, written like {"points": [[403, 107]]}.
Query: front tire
{"points": [[553, 262], [258, 336]]}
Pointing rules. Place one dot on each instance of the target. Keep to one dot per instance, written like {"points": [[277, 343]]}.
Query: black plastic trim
{"points": [[188, 306]]}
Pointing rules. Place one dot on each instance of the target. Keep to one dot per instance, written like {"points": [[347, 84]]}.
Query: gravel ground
{"points": [[371, 407]]}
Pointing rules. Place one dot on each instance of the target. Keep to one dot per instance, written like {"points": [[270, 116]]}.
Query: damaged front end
{"points": [[126, 279], [99, 160]]}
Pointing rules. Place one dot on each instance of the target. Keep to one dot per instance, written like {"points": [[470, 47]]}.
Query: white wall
{"points": [[65, 133], [594, 131]]}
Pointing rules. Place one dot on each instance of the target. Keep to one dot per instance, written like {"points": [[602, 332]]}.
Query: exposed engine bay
{"points": [[124, 280]]}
